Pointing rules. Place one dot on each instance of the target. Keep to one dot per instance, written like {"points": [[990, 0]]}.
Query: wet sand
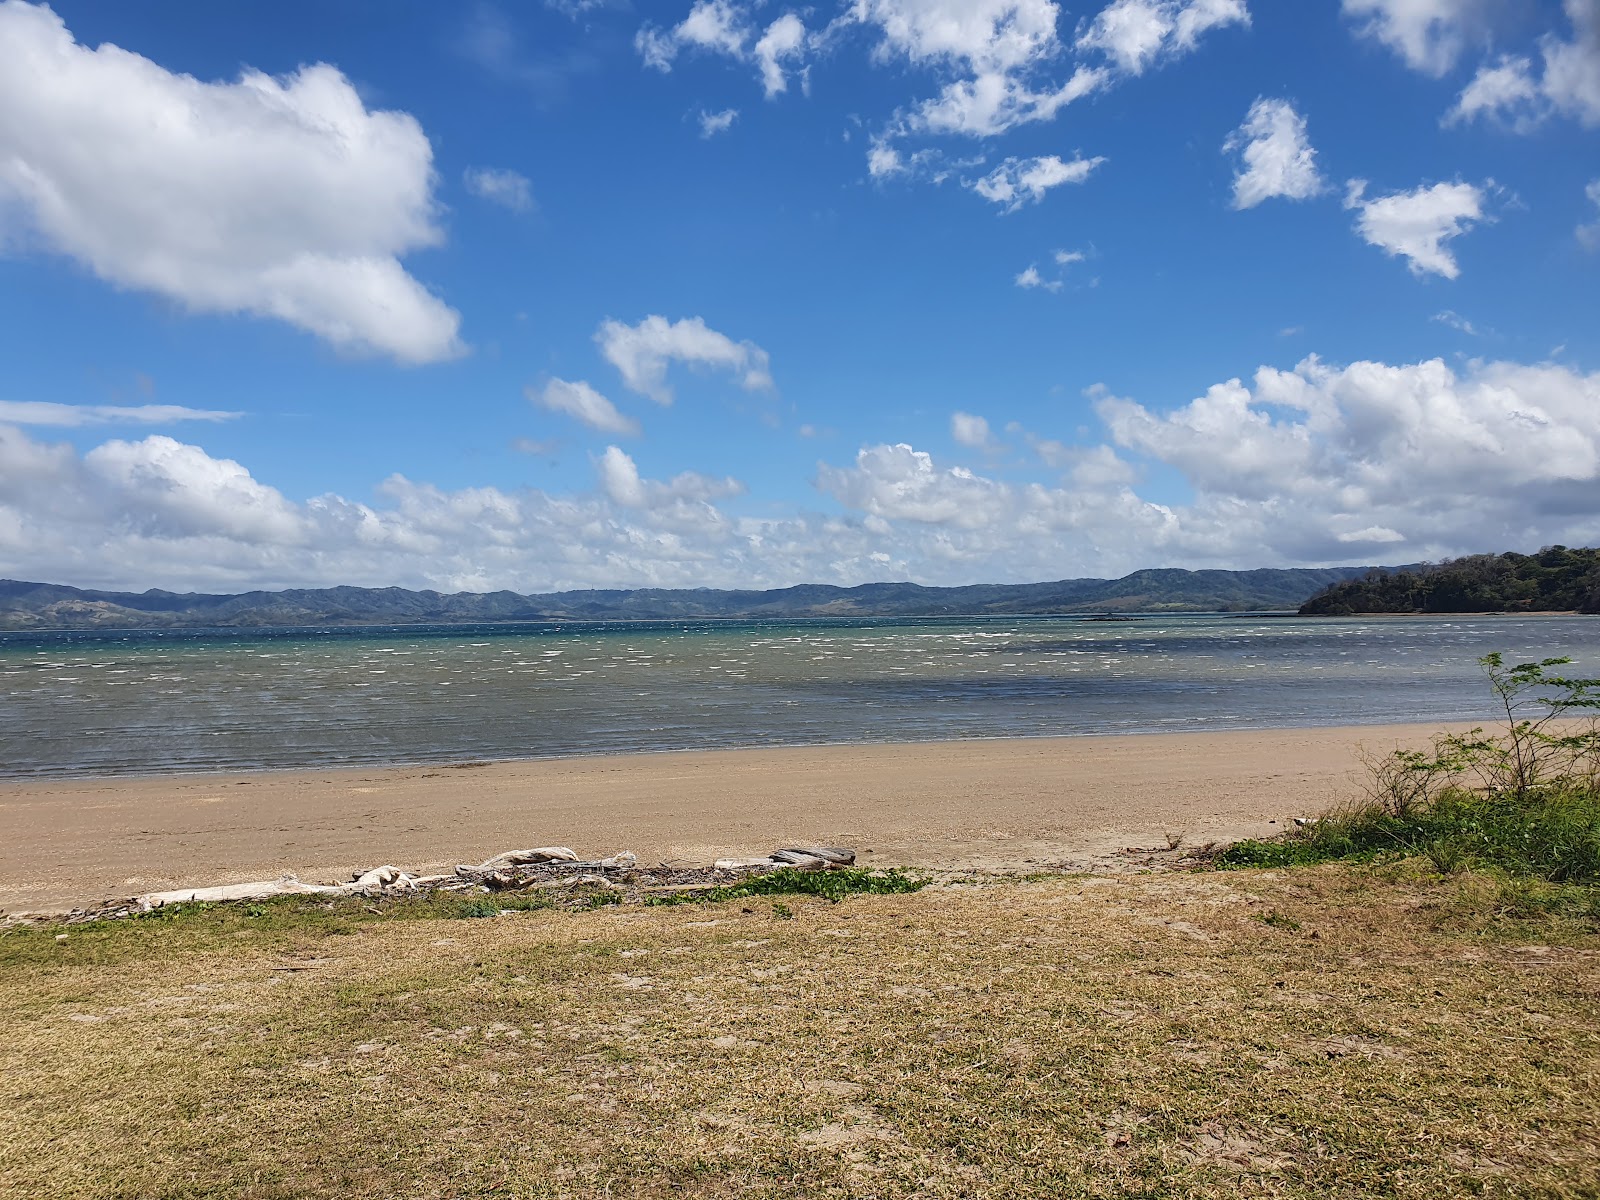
{"points": [[1003, 803]]}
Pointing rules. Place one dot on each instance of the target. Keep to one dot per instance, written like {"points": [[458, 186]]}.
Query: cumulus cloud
{"points": [[280, 197], [902, 483], [783, 41], [1514, 92], [998, 64], [581, 402], [1428, 34], [66, 416], [969, 430], [1315, 464], [724, 27], [1498, 455], [1137, 34], [1416, 225], [1277, 156], [713, 123], [1018, 180], [641, 354], [621, 481], [500, 186], [1030, 278], [993, 53], [172, 489]]}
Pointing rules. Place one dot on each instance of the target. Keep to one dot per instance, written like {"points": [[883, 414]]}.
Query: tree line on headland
{"points": [[1556, 579]]}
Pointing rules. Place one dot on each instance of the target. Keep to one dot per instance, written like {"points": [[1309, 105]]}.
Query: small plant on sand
{"points": [[1523, 802], [786, 881]]}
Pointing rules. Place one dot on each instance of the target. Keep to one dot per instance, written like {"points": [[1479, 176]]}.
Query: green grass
{"points": [[1335, 1032], [1550, 834], [830, 885]]}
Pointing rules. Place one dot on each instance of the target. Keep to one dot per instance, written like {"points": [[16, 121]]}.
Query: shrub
{"points": [[1524, 801]]}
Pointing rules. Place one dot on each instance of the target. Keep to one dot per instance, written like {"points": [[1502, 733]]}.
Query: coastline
{"points": [[1003, 803]]}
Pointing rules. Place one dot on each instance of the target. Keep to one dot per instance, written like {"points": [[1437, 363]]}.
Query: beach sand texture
{"points": [[1001, 804]]}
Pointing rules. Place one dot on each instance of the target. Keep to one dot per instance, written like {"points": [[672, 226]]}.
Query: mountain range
{"points": [[26, 605]]}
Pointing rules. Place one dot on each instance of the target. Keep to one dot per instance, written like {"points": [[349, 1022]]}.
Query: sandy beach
{"points": [[1002, 803]]}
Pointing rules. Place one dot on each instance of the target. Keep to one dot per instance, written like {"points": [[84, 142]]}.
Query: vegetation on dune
{"points": [[1554, 580], [1522, 803]]}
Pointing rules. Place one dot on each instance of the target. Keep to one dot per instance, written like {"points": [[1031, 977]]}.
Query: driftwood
{"points": [[542, 868], [803, 858], [369, 883]]}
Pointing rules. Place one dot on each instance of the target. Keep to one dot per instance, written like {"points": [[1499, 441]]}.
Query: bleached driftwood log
{"points": [[539, 867], [373, 882], [800, 858]]}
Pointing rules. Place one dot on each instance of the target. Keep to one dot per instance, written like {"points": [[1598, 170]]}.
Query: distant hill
{"points": [[1554, 580], [53, 606]]}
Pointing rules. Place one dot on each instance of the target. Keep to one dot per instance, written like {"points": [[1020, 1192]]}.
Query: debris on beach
{"points": [[550, 869]]}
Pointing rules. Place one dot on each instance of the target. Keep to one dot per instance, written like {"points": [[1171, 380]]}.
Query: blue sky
{"points": [[729, 293]]}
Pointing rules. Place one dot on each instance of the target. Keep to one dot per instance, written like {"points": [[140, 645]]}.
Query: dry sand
{"points": [[1004, 803]]}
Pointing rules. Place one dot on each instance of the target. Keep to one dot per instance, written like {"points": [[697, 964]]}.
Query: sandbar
{"points": [[1004, 803]]}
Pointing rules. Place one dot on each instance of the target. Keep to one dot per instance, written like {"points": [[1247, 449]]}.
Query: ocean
{"points": [[140, 702]]}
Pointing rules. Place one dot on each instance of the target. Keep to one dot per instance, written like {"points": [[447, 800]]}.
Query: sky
{"points": [[730, 293]]}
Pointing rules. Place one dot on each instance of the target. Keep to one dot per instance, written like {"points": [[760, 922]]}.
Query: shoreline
{"points": [[998, 803], [69, 776]]}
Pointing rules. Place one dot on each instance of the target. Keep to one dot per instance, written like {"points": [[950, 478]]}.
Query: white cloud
{"points": [[66, 416], [714, 25], [883, 160], [499, 186], [1066, 258], [1278, 158], [1417, 224], [642, 352], [1589, 234], [723, 27], [784, 39], [1317, 464], [581, 402], [1506, 91], [1572, 68], [1018, 180], [969, 430], [713, 123], [992, 53], [620, 480], [901, 483], [1512, 92], [280, 197], [1137, 34], [171, 489], [1030, 278], [1428, 34]]}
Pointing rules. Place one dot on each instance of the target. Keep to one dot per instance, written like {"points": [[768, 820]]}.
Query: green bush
{"points": [[1524, 802]]}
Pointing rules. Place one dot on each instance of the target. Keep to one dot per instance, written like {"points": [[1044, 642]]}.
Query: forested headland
{"points": [[1556, 579]]}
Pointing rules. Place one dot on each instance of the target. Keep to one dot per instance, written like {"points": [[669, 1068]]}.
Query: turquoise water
{"points": [[121, 703]]}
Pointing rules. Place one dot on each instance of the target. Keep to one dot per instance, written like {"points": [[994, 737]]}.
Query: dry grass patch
{"points": [[1325, 1032]]}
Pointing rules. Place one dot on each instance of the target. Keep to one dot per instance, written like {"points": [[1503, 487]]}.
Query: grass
{"points": [[1550, 833], [1336, 1031], [1545, 840], [830, 885]]}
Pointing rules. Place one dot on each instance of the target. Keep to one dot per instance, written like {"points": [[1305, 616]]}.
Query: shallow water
{"points": [[136, 702]]}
